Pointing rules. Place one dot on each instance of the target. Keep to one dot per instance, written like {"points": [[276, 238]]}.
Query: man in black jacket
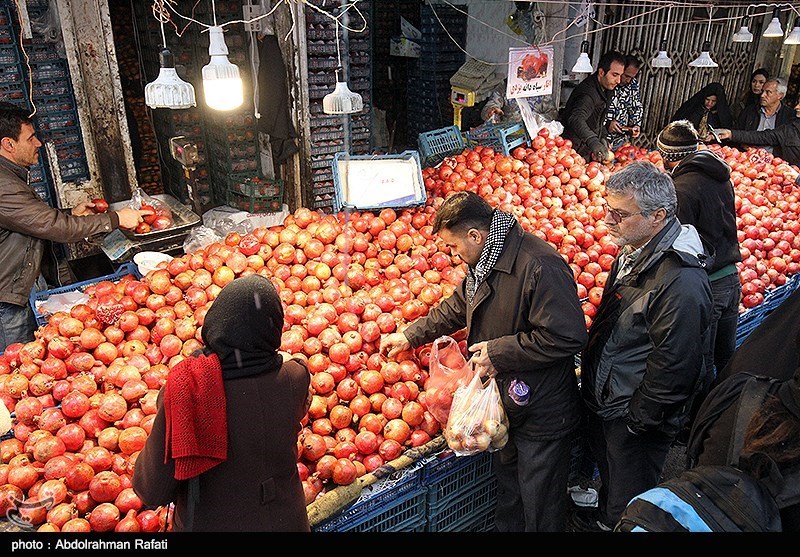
{"points": [[706, 201], [644, 360], [770, 113], [584, 115], [785, 139]]}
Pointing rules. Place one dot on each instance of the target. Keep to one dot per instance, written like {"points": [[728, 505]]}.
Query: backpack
{"points": [[703, 499], [718, 498]]}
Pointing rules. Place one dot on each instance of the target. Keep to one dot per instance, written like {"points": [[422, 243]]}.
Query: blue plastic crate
{"points": [[129, 268], [395, 504], [502, 137], [752, 318], [448, 476], [472, 505], [362, 168], [435, 145]]}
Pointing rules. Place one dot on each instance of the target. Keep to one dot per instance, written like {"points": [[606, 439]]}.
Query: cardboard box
{"points": [[401, 46]]}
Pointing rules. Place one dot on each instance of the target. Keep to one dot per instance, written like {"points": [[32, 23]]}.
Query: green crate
{"points": [[254, 194], [466, 511]]}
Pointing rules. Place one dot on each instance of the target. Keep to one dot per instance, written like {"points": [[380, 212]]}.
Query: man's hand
{"points": [[635, 131], [615, 127], [130, 218], [480, 359], [723, 133], [83, 209], [494, 114], [393, 344]]}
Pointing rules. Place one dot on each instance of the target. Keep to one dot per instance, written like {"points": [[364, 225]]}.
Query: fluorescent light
{"points": [[774, 28], [222, 84], [583, 64], [169, 90], [704, 60], [794, 36], [662, 60]]}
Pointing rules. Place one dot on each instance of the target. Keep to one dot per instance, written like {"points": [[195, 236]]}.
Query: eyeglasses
{"points": [[617, 217]]}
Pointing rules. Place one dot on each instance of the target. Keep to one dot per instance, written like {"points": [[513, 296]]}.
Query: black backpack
{"points": [[719, 498], [703, 499]]}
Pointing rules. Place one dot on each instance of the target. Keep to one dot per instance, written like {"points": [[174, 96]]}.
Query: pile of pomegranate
{"points": [[83, 392]]}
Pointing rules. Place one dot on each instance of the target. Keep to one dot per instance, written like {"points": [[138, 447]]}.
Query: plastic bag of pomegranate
{"points": [[161, 217], [447, 371], [478, 421]]}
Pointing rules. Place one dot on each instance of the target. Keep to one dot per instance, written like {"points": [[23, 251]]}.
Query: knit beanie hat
{"points": [[677, 140]]}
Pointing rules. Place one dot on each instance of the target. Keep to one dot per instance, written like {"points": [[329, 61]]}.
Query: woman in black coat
{"points": [[228, 421], [707, 107]]}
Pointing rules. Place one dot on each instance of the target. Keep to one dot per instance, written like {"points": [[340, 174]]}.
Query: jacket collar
{"points": [[14, 167]]}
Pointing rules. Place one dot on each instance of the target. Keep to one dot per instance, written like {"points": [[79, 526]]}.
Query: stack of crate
{"points": [[331, 134], [56, 116], [444, 38]]}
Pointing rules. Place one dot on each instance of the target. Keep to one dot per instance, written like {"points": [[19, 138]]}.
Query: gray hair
{"points": [[650, 187], [780, 85]]}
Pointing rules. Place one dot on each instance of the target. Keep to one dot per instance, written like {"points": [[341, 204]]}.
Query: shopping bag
{"points": [[447, 371], [477, 421]]}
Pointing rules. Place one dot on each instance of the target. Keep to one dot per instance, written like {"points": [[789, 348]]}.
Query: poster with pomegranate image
{"points": [[530, 73]]}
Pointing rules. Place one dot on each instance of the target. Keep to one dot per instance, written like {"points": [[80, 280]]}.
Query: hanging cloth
{"points": [[273, 101]]}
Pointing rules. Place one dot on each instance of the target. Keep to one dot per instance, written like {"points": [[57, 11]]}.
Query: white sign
{"points": [[530, 72], [367, 183]]}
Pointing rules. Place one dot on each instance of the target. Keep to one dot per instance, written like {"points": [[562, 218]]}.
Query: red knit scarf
{"points": [[194, 407]]}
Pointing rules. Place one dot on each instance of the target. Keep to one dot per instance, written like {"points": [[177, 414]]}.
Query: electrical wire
{"points": [[27, 60]]}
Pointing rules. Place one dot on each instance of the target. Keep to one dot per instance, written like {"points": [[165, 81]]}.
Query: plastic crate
{"points": [[502, 137], [395, 504], [382, 180], [472, 505], [435, 145], [39, 297], [752, 318], [260, 195], [447, 476]]}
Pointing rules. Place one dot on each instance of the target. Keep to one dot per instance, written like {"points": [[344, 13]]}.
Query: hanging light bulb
{"points": [[342, 100], [704, 60], [662, 60], [168, 90], [794, 36], [583, 64], [222, 84], [743, 35], [774, 28]]}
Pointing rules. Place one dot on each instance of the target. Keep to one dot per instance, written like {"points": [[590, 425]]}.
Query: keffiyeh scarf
{"points": [[501, 224]]}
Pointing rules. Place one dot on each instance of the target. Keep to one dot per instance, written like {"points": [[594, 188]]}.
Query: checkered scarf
{"points": [[501, 224]]}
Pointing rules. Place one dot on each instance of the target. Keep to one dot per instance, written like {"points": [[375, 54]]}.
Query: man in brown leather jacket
{"points": [[28, 224]]}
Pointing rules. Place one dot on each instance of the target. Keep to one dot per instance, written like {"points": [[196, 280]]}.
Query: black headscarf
{"points": [[694, 108], [243, 327]]}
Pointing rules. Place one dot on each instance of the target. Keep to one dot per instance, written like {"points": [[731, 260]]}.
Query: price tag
{"points": [[116, 245]]}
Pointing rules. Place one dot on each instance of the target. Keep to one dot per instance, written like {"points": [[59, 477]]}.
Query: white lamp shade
{"points": [[169, 90], [743, 35], [583, 64], [794, 36], [342, 100], [774, 28], [704, 60], [661, 60], [222, 84]]}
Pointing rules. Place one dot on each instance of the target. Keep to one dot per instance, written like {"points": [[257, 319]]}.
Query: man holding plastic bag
{"points": [[524, 323]]}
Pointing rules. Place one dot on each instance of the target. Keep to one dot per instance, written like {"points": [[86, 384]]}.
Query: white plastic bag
{"points": [[477, 421]]}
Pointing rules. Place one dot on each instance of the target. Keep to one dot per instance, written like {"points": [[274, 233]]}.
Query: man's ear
{"points": [[7, 143]]}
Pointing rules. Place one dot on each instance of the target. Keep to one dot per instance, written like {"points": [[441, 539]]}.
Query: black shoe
{"points": [[588, 522]]}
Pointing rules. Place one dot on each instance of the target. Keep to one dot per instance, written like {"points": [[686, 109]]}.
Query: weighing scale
{"points": [[472, 83], [185, 152]]}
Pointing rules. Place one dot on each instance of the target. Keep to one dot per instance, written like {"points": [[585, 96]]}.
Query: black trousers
{"points": [[532, 485], [628, 464]]}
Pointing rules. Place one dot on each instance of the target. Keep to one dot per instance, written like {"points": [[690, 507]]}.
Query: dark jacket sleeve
{"points": [[446, 318], [765, 137], [23, 212], [689, 205], [153, 479], [679, 319], [577, 120], [558, 325]]}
